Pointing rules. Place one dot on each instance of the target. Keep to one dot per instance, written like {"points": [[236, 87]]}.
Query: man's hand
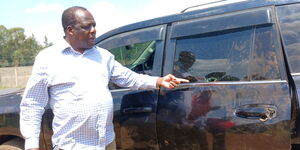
{"points": [[169, 81]]}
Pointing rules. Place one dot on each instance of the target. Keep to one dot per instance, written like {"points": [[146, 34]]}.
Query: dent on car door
{"points": [[135, 110], [239, 95]]}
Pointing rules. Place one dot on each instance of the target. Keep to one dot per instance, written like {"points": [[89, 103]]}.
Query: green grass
{"points": [[3, 87]]}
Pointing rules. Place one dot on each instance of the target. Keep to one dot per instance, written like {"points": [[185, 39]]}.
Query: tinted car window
{"points": [[264, 64], [228, 56], [218, 57], [289, 22]]}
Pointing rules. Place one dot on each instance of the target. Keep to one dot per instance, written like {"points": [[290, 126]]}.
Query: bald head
{"points": [[68, 16]]}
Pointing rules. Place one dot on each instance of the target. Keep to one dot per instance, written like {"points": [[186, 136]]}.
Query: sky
{"points": [[43, 17]]}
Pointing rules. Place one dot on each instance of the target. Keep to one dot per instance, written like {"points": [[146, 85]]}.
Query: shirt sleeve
{"points": [[34, 100], [124, 77]]}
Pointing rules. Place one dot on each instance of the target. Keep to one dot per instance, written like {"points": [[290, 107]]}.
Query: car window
{"points": [[140, 50], [264, 63], [289, 22], [233, 55], [138, 57]]}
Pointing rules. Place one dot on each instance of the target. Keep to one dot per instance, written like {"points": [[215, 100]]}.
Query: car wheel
{"points": [[13, 144]]}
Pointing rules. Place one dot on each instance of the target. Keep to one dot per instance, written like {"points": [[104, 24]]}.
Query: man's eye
{"points": [[86, 27]]}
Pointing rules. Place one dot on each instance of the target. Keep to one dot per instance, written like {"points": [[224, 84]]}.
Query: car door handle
{"points": [[137, 110], [262, 112]]}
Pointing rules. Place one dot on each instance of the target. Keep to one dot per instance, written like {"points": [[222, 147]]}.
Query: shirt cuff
{"points": [[153, 81], [31, 143]]}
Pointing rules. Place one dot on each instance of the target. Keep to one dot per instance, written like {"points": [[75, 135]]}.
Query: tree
{"points": [[16, 49]]}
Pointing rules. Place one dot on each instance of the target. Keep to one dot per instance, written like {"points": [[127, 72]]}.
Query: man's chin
{"points": [[91, 43], [88, 47]]}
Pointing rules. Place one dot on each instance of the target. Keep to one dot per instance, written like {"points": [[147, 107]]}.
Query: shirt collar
{"points": [[67, 46]]}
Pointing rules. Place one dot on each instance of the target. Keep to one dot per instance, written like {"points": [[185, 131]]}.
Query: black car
{"points": [[243, 61]]}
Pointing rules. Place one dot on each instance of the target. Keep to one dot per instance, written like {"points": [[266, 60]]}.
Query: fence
{"points": [[12, 77]]}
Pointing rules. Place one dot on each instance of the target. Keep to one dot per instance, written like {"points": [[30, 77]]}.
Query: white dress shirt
{"points": [[76, 87]]}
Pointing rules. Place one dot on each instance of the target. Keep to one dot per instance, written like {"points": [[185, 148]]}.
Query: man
{"points": [[74, 81]]}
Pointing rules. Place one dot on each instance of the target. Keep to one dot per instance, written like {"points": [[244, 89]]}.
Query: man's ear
{"points": [[69, 30]]}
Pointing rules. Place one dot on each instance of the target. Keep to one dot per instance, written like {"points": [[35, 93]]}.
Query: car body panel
{"points": [[204, 116]]}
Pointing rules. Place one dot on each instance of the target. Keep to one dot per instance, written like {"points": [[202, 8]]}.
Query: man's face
{"points": [[84, 31], [187, 62]]}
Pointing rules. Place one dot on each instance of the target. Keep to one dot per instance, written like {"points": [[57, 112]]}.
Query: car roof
{"points": [[209, 11]]}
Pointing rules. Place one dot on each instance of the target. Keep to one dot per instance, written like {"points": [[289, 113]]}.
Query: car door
{"points": [[238, 97], [289, 24], [135, 110]]}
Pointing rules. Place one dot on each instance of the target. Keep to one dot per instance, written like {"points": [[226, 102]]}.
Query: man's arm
{"points": [[34, 100], [123, 76]]}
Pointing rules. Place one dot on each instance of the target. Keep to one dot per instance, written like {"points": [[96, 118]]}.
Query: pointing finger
{"points": [[180, 80]]}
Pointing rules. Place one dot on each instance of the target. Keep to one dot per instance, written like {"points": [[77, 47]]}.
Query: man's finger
{"points": [[172, 77], [180, 80], [173, 84]]}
